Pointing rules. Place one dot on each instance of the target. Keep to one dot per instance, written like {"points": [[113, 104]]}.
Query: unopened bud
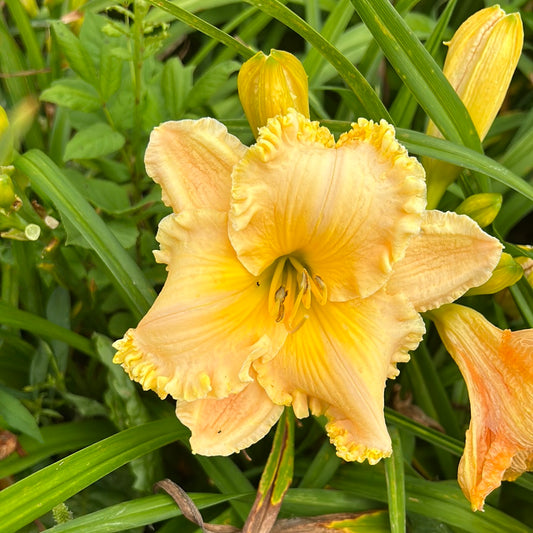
{"points": [[506, 273], [7, 191], [270, 86], [483, 207]]}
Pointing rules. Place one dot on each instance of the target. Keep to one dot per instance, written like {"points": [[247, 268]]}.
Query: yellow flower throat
{"points": [[291, 291]]}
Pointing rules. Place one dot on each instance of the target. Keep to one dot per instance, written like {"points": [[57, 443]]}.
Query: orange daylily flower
{"points": [[297, 269], [498, 369]]}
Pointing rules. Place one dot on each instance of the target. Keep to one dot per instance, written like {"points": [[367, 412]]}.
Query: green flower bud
{"points": [[506, 273], [7, 191], [483, 207]]}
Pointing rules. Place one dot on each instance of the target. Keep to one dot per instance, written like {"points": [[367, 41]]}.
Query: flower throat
{"points": [[291, 291]]}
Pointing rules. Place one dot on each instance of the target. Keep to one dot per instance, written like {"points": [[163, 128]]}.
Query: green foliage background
{"points": [[82, 99]]}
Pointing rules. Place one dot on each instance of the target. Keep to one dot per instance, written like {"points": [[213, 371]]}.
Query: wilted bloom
{"points": [[506, 273], [483, 207], [271, 85], [498, 369], [296, 272], [481, 59]]}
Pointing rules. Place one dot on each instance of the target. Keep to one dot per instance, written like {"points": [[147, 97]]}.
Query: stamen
{"points": [[320, 290], [275, 285], [291, 291], [280, 296]]}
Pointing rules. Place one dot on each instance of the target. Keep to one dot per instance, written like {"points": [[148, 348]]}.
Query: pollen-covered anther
{"points": [[291, 290]]}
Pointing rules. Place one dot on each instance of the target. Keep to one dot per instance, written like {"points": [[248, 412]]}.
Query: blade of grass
{"points": [[49, 182], [440, 500], [333, 27], [26, 32], [135, 513], [404, 106], [58, 438], [204, 27], [36, 494], [394, 474], [348, 72], [16, 318], [418, 70]]}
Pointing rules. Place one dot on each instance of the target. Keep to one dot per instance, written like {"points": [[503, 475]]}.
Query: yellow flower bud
{"points": [[7, 191], [270, 85], [481, 59], [506, 273], [483, 207]]}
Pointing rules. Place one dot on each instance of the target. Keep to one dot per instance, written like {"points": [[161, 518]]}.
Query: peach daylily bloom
{"points": [[296, 272], [497, 366]]}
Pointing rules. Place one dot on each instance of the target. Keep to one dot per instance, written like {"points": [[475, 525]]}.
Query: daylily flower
{"points": [[498, 369], [481, 59], [297, 269]]}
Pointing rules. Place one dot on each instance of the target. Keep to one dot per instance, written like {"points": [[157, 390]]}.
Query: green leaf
{"points": [[94, 141], [418, 70], [74, 94], [36, 494], [57, 439], [49, 182], [16, 318], [394, 474], [210, 82], [176, 85], [17, 417], [441, 500], [104, 194], [78, 58], [135, 513], [201, 25], [275, 480], [110, 76]]}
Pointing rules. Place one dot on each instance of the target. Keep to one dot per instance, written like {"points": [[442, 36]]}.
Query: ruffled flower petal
{"points": [[498, 369], [337, 364], [450, 255], [192, 160], [226, 426], [346, 210], [210, 321]]}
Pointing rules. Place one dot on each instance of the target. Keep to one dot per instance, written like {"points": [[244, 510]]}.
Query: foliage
{"points": [[83, 84]]}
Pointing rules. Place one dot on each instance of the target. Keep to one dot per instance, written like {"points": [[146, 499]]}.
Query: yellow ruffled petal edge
{"points": [[192, 161], [450, 255], [228, 425], [144, 372], [337, 364], [210, 320]]}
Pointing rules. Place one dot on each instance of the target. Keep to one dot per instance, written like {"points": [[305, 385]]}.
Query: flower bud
{"points": [[506, 273], [7, 191], [483, 207], [270, 85], [481, 59]]}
